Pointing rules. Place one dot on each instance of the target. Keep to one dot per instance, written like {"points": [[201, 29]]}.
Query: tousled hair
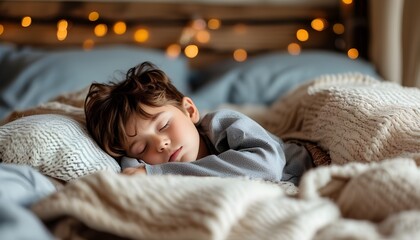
{"points": [[109, 106]]}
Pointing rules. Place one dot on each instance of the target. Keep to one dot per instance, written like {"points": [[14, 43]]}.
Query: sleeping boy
{"points": [[145, 117]]}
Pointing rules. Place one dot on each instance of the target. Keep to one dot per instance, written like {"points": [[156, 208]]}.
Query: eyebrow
{"points": [[153, 118]]}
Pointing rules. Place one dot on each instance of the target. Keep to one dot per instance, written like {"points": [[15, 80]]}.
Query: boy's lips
{"points": [[175, 155]]}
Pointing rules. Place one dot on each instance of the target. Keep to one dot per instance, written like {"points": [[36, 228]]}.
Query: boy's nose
{"points": [[162, 144]]}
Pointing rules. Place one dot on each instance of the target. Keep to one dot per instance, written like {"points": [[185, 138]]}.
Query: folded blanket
{"points": [[355, 201]]}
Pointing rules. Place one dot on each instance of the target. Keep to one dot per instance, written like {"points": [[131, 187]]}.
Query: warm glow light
{"points": [[88, 44], [100, 30], [240, 55], [203, 36], [61, 34], [173, 50], [93, 16], [214, 24], [26, 21], [302, 35], [318, 24], [186, 35], [62, 25], [293, 49], [353, 53], [120, 28], [338, 28], [141, 35], [1, 29], [198, 24], [348, 2], [191, 51]]}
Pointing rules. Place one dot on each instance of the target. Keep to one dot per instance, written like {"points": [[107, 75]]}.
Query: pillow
{"points": [[57, 145], [32, 76], [262, 79]]}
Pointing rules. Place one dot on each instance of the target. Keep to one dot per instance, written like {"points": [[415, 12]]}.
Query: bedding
{"points": [[371, 183], [57, 145], [333, 202], [22, 186], [361, 129], [352, 116]]}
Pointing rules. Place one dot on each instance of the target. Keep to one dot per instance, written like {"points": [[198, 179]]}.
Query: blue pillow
{"points": [[32, 76], [262, 79]]}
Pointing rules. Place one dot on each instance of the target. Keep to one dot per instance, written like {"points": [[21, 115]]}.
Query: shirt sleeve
{"points": [[242, 148]]}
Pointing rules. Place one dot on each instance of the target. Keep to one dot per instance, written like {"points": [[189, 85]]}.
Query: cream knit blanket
{"points": [[370, 128], [376, 201], [351, 116]]}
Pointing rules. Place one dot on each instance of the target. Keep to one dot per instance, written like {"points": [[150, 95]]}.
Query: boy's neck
{"points": [[203, 149]]}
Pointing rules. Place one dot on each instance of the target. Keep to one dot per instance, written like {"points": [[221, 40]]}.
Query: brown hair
{"points": [[108, 106]]}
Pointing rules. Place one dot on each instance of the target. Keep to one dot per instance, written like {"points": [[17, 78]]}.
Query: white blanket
{"points": [[371, 191], [375, 201], [352, 116]]}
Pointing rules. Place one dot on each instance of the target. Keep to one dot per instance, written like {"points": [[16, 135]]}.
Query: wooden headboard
{"points": [[249, 27]]}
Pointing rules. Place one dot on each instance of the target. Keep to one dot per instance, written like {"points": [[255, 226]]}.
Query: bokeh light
{"points": [[141, 35], [353, 53], [302, 35], [120, 28], [100, 30], [26, 21], [240, 55], [191, 51], [293, 49]]}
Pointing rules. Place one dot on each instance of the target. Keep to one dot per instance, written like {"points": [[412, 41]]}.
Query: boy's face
{"points": [[169, 136]]}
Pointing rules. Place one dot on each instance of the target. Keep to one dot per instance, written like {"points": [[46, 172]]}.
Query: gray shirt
{"points": [[238, 146]]}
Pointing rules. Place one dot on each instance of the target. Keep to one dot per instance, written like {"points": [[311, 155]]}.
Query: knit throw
{"points": [[351, 116]]}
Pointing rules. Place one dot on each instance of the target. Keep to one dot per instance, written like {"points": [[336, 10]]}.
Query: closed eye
{"points": [[143, 150], [164, 127]]}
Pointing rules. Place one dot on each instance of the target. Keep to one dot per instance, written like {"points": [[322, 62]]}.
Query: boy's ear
{"points": [[191, 109]]}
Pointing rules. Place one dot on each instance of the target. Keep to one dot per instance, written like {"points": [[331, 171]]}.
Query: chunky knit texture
{"points": [[382, 199], [57, 145], [351, 116]]}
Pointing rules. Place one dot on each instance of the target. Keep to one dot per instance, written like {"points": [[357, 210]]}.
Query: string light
{"points": [[202, 36], [338, 28], [141, 35], [198, 24], [293, 49], [214, 24], [173, 50], [318, 24], [348, 2], [100, 30], [302, 35], [191, 51], [240, 55], [26, 21], [93, 16], [196, 32], [120, 28], [353, 53]]}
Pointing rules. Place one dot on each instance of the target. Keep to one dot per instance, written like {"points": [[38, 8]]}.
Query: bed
{"points": [[327, 73]]}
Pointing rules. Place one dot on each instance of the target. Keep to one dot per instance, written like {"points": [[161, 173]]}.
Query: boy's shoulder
{"points": [[225, 113]]}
